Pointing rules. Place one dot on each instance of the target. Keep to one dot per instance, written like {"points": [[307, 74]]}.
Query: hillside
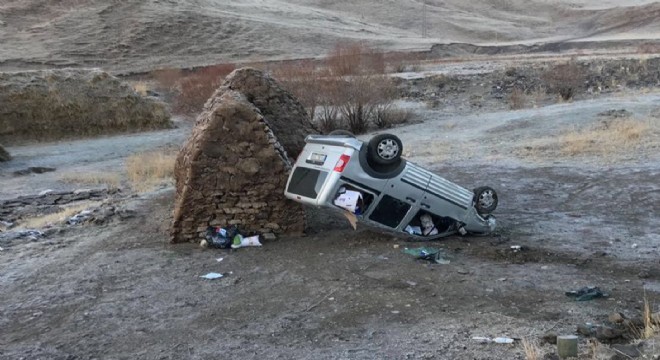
{"points": [[146, 34]]}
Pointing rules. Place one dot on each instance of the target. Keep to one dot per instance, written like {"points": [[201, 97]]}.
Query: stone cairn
{"points": [[234, 167]]}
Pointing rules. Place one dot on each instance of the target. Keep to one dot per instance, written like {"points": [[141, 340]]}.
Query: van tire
{"points": [[485, 200], [385, 149]]}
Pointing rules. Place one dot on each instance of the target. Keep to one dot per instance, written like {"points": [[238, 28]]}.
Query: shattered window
{"points": [[307, 182], [390, 211]]}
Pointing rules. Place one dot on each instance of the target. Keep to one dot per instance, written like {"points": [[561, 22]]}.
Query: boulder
{"points": [[4, 154], [234, 167], [67, 103]]}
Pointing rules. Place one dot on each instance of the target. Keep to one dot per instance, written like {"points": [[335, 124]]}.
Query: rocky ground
{"points": [[116, 289]]}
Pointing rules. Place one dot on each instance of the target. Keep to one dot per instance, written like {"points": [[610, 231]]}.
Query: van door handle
{"points": [[426, 205], [411, 199]]}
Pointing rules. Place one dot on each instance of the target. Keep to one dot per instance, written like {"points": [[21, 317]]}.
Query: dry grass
{"points": [[517, 99], [141, 88], [607, 137], [148, 170], [532, 351], [109, 179], [55, 218], [651, 322]]}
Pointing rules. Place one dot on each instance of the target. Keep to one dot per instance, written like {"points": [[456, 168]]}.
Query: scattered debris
{"points": [[428, 253], [219, 238], [31, 235], [628, 351], [240, 241], [219, 259], [587, 293], [516, 248], [497, 340], [212, 276]]}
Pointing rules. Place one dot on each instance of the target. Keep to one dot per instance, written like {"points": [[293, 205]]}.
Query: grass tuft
{"points": [[608, 136], [61, 216], [110, 180], [147, 170], [531, 349]]}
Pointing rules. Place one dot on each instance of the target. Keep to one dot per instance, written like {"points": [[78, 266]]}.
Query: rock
{"points": [[269, 236], [4, 154], [550, 338], [33, 170], [616, 318], [585, 330], [233, 168], [68, 103], [607, 334]]}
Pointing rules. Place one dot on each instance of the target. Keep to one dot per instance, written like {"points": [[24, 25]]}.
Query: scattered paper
{"points": [[348, 200], [219, 259]]}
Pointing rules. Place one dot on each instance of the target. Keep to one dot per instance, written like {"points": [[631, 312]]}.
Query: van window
{"points": [[390, 211], [307, 182]]}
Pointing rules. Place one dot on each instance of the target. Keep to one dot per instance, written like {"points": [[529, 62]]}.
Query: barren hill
{"points": [[145, 34]]}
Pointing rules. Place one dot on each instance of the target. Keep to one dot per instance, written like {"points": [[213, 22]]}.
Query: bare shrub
{"points": [[195, 89], [386, 116], [167, 78], [564, 79], [303, 80], [147, 170], [355, 58], [517, 99], [648, 48], [360, 97]]}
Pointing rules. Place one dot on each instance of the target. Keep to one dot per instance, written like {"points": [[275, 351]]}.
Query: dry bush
{"points": [[386, 116], [150, 169], [360, 97], [110, 180], [607, 137], [60, 216], [355, 59], [193, 90], [564, 79], [648, 48], [303, 79], [167, 78], [517, 99]]}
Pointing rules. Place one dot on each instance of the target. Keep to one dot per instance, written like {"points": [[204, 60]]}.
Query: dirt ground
{"points": [[120, 291]]}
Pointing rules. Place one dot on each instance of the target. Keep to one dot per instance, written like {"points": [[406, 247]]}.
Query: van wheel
{"points": [[385, 149], [485, 199], [341, 133]]}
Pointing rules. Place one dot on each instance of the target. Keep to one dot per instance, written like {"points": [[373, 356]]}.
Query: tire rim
{"points": [[388, 149], [486, 199]]}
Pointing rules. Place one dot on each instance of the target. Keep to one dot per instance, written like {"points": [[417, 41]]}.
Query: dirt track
{"points": [[120, 291]]}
